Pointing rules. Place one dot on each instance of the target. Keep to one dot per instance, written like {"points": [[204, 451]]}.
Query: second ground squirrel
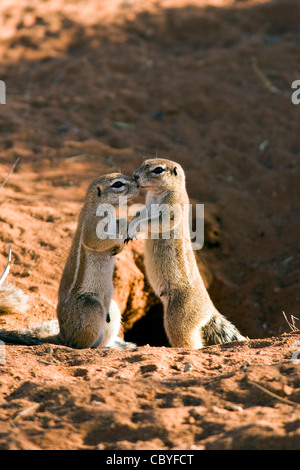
{"points": [[87, 315], [190, 317]]}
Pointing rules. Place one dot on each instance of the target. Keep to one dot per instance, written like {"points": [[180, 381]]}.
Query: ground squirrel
{"points": [[190, 318], [87, 315]]}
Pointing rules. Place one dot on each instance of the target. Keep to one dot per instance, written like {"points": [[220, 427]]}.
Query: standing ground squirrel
{"points": [[190, 318], [87, 315]]}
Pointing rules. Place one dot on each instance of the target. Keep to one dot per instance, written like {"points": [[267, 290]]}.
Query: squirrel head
{"points": [[158, 175], [109, 188]]}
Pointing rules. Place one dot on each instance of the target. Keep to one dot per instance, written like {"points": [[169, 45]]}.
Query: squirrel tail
{"points": [[12, 299], [219, 330], [47, 333]]}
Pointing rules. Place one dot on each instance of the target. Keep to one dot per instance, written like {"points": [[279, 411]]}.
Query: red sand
{"points": [[92, 88]]}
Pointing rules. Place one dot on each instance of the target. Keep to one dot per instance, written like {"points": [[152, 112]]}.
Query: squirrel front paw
{"points": [[117, 249], [129, 236]]}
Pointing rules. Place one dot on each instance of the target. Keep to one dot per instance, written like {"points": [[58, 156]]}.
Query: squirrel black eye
{"points": [[158, 170], [117, 184]]}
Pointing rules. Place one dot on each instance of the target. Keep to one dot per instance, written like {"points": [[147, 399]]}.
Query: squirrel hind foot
{"points": [[219, 330]]}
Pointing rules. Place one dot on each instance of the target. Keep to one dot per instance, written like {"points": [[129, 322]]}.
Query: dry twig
{"points": [[9, 173], [7, 267], [9, 262], [291, 324], [272, 88], [26, 412]]}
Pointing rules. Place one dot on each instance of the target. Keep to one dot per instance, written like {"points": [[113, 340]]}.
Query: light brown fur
{"points": [[86, 314]]}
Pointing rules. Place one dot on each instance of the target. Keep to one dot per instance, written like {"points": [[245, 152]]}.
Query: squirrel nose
{"points": [[136, 175]]}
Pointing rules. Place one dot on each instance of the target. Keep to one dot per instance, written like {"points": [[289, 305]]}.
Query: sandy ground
{"points": [[94, 87]]}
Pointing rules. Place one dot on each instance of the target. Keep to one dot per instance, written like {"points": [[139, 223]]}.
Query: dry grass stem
{"points": [[9, 173], [274, 395], [7, 267]]}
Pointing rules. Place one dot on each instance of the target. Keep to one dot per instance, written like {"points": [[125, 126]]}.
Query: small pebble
{"points": [[191, 420], [232, 407]]}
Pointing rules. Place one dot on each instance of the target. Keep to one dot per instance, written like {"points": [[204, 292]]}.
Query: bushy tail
{"points": [[219, 330], [47, 333], [12, 299]]}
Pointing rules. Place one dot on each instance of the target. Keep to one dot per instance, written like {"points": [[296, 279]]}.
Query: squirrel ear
{"points": [[99, 191], [175, 171]]}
